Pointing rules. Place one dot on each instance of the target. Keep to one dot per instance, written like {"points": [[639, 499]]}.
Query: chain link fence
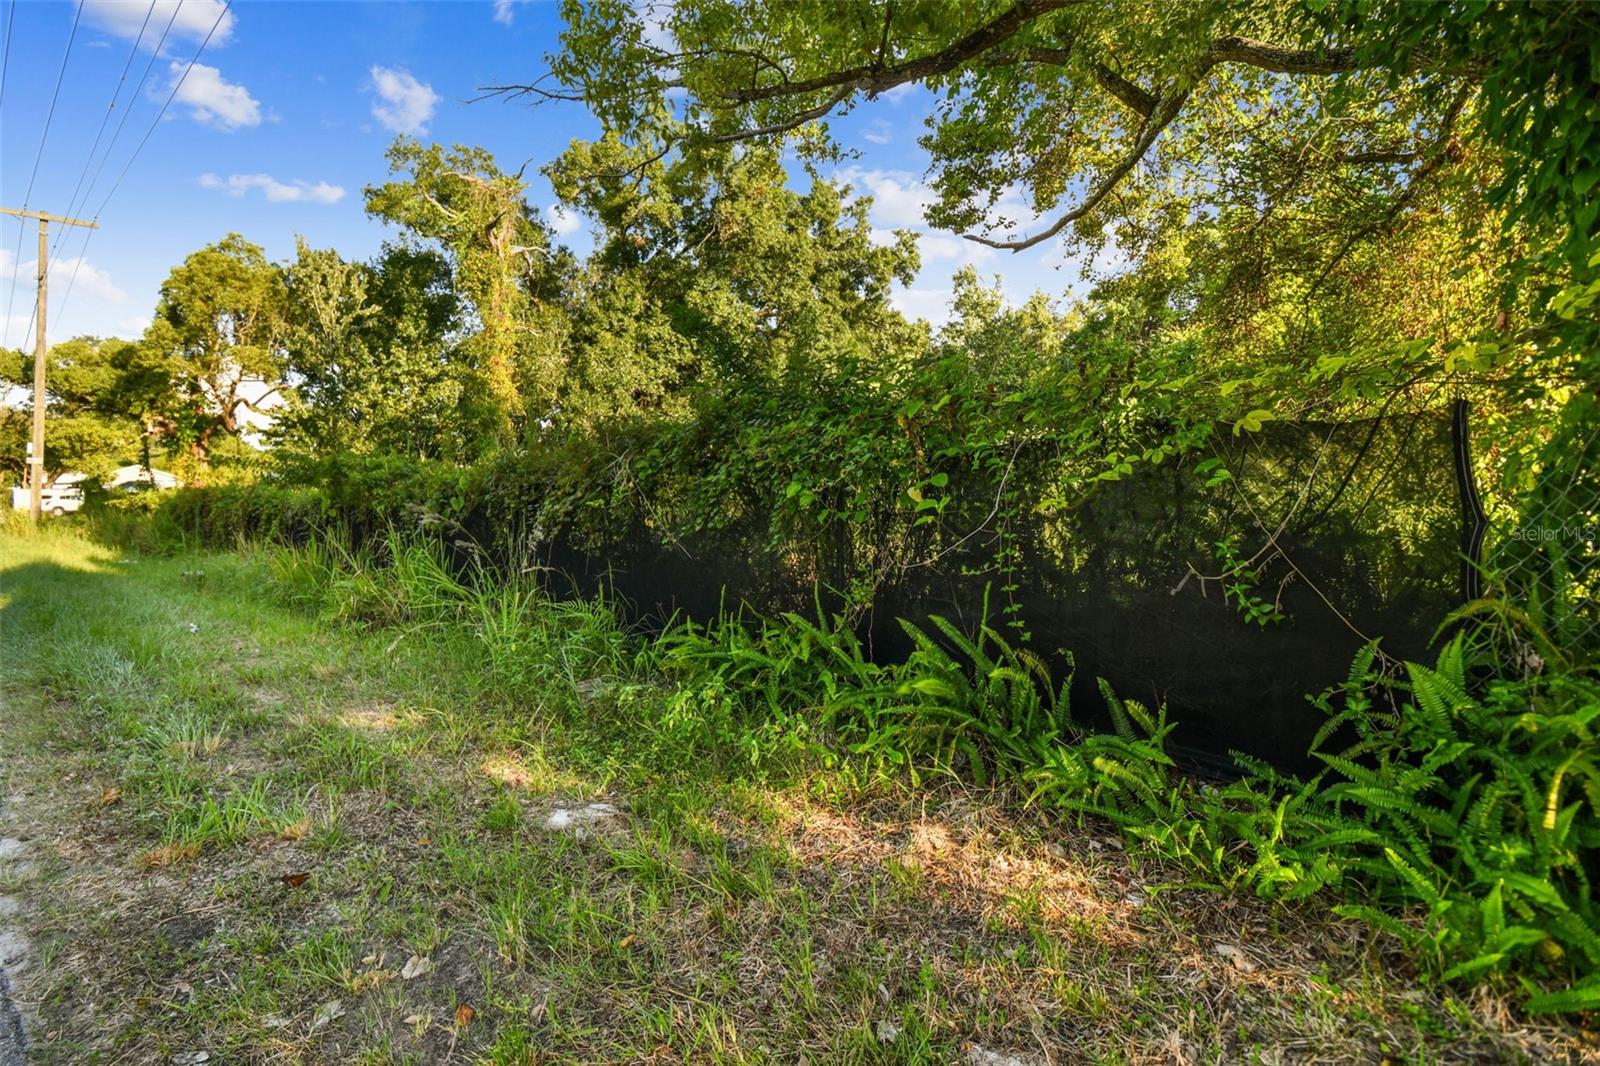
{"points": [[1540, 554]]}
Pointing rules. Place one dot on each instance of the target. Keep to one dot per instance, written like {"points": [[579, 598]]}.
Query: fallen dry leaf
{"points": [[464, 1015], [167, 854], [327, 1013], [415, 966], [296, 830], [110, 796], [294, 880]]}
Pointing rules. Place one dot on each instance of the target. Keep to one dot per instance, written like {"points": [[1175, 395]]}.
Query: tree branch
{"points": [[873, 78], [1162, 112], [1136, 98], [798, 119], [1435, 155], [1266, 56], [1160, 118]]}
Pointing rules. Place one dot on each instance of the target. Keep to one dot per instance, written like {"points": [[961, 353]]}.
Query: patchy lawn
{"points": [[233, 833]]}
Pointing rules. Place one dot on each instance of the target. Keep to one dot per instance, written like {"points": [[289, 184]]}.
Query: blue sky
{"points": [[285, 118]]}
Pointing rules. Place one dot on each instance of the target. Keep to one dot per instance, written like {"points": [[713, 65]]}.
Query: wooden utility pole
{"points": [[36, 452]]}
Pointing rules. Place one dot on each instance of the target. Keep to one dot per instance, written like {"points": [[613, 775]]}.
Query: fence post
{"points": [[1474, 523]]}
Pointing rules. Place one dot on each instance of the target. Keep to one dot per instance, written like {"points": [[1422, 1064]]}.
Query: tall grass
{"points": [[1463, 819], [412, 586]]}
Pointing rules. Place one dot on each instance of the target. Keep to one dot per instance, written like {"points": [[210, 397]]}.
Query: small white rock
{"points": [[579, 818], [978, 1055], [1241, 962]]}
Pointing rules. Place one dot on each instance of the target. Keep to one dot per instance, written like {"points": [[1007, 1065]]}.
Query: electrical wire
{"points": [[116, 135], [39, 158], [5, 60], [139, 148], [116, 94]]}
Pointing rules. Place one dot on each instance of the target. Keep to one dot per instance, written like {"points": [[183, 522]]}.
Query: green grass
{"points": [[248, 798]]}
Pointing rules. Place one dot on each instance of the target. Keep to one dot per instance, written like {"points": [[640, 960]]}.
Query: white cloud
{"points": [[404, 104], [191, 20], [878, 132], [16, 331], [899, 198], [213, 100], [564, 222], [931, 304], [279, 192], [898, 93], [655, 31], [957, 251], [91, 283], [503, 10], [91, 280]]}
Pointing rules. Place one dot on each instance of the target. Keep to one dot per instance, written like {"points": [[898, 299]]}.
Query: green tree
{"points": [[1256, 163], [371, 352], [90, 424], [215, 349], [504, 263], [707, 276]]}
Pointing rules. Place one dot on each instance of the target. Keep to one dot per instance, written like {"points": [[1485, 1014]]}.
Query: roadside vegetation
{"points": [[291, 806]]}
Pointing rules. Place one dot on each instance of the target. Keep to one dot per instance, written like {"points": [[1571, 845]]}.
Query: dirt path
{"points": [[13, 945]]}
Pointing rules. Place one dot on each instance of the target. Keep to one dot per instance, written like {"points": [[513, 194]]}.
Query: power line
{"points": [[140, 147], [127, 111], [116, 135], [72, 201], [170, 97], [39, 156], [5, 61]]}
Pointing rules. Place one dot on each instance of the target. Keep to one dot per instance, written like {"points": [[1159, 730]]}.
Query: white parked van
{"points": [[55, 499]]}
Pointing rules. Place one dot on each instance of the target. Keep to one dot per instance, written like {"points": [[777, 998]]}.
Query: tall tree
{"points": [[215, 349], [1082, 107], [706, 275], [370, 351], [90, 420], [504, 262], [1322, 207]]}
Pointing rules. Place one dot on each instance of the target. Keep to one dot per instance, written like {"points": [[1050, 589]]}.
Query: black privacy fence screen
{"points": [[1229, 583], [1226, 590]]}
